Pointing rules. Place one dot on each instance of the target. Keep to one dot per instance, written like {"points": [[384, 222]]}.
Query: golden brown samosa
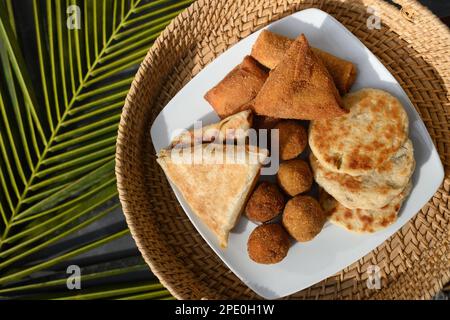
{"points": [[300, 87], [270, 48]]}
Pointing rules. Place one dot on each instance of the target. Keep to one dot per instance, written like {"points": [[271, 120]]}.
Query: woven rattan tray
{"points": [[415, 47]]}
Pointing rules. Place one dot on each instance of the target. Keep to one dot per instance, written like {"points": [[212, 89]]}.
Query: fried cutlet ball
{"points": [[266, 202], [293, 139], [295, 177], [268, 244], [303, 218]]}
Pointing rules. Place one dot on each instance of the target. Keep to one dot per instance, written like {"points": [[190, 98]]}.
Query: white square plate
{"points": [[334, 248]]}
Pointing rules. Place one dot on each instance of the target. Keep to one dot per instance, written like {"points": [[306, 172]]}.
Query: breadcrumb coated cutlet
{"points": [[292, 139], [303, 218], [266, 202], [268, 244], [295, 177]]}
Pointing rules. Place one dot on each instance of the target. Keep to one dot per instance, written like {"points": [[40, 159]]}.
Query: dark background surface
{"points": [[441, 8], [123, 251]]}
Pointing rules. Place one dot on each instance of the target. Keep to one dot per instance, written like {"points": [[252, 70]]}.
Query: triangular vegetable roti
{"points": [[217, 187]]}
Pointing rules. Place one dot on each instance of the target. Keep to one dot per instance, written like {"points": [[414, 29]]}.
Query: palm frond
{"points": [[57, 135], [84, 278]]}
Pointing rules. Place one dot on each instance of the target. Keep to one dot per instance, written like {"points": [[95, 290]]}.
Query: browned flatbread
{"points": [[238, 88], [270, 48], [363, 220], [300, 87], [370, 134]]}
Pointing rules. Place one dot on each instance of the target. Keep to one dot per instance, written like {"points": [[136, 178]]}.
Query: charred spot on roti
{"points": [[348, 214], [386, 167], [377, 145], [387, 221], [360, 161], [365, 219], [383, 189], [352, 184], [379, 107], [336, 160], [395, 113]]}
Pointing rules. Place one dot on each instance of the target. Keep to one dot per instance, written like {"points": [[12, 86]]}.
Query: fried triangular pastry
{"points": [[299, 87]]}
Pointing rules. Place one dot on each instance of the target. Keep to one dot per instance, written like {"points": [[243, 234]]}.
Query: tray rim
{"points": [[381, 65]]}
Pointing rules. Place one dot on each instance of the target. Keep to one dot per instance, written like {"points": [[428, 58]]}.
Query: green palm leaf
{"points": [[57, 135]]}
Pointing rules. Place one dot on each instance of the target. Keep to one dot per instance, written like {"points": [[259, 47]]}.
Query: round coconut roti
{"points": [[369, 191], [363, 139], [363, 220]]}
